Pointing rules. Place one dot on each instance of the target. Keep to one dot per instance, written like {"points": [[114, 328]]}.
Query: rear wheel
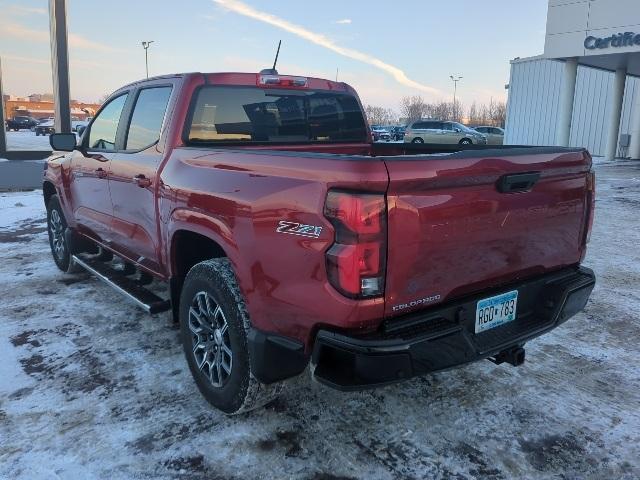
{"points": [[214, 324], [417, 140], [465, 141]]}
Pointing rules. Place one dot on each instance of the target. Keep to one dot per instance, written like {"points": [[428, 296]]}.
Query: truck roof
{"points": [[249, 79]]}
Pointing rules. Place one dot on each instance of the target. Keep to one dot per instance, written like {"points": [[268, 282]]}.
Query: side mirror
{"points": [[63, 142]]}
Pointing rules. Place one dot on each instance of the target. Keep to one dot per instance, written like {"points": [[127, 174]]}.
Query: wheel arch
{"points": [[194, 237], [48, 191], [189, 247]]}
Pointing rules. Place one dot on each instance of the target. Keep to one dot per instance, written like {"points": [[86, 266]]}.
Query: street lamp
{"points": [[146, 46], [455, 80]]}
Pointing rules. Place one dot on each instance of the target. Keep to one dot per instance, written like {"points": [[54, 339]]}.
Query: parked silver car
{"points": [[438, 132], [495, 135]]}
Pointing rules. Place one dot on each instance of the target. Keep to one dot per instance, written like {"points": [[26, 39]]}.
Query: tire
{"points": [[56, 227], [465, 141], [417, 140], [212, 310]]}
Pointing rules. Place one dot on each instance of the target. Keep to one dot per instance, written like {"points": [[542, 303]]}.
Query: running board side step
{"points": [[139, 295]]}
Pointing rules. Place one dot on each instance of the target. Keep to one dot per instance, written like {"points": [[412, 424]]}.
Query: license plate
{"points": [[495, 311]]}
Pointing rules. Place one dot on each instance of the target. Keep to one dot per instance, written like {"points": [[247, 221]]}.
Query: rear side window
{"points": [[148, 114], [105, 126], [433, 125], [252, 114]]}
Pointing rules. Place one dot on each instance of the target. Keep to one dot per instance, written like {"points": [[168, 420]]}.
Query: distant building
{"points": [[41, 106]]}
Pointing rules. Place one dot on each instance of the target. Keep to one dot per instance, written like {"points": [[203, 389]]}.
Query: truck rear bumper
{"points": [[445, 337]]}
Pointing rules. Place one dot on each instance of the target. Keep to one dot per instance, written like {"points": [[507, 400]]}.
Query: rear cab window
{"points": [[222, 114]]}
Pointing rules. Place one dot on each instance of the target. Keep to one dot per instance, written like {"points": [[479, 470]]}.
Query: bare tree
{"points": [[499, 114], [412, 108], [457, 110], [379, 115], [493, 113], [473, 117]]}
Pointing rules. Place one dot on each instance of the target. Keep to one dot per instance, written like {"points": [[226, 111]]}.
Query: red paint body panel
{"points": [[238, 197], [450, 232]]}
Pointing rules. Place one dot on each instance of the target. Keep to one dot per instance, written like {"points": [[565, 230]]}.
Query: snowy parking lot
{"points": [[93, 388], [27, 140]]}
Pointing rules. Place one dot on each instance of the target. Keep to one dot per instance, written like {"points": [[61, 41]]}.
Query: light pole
{"points": [[455, 80], [146, 46]]}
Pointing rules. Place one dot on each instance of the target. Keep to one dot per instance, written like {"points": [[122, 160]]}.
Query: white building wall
{"points": [[570, 22], [532, 107]]}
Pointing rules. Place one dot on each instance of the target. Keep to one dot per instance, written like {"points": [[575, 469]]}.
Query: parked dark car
{"points": [[397, 133], [21, 123]]}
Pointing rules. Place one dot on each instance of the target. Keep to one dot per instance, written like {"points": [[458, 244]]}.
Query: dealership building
{"points": [[585, 89]]}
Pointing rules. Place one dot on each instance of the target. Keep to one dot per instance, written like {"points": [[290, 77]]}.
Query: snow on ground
{"points": [[27, 140], [93, 388]]}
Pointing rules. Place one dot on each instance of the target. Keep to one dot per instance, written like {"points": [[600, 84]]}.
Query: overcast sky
{"points": [[384, 49]]}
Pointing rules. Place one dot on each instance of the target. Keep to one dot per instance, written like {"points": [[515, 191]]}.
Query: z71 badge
{"points": [[294, 228]]}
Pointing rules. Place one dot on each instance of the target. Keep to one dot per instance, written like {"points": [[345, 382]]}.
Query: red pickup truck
{"points": [[287, 238]]}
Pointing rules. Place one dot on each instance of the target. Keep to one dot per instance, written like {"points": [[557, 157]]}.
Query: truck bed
{"points": [[451, 231]]}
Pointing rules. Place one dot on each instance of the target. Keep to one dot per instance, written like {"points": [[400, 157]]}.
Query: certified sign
{"points": [[619, 40]]}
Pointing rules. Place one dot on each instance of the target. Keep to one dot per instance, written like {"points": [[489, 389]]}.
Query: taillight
{"points": [[356, 261], [591, 202]]}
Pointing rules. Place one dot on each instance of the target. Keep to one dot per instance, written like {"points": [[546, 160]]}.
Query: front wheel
{"points": [[417, 140], [56, 228], [214, 324]]}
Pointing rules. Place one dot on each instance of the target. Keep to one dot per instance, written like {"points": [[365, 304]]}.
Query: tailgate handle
{"points": [[517, 182]]}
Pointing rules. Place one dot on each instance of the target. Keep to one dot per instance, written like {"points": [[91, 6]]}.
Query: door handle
{"points": [[101, 172], [141, 180], [518, 182]]}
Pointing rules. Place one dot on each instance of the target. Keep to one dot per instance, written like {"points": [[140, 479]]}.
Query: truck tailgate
{"points": [[465, 222]]}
